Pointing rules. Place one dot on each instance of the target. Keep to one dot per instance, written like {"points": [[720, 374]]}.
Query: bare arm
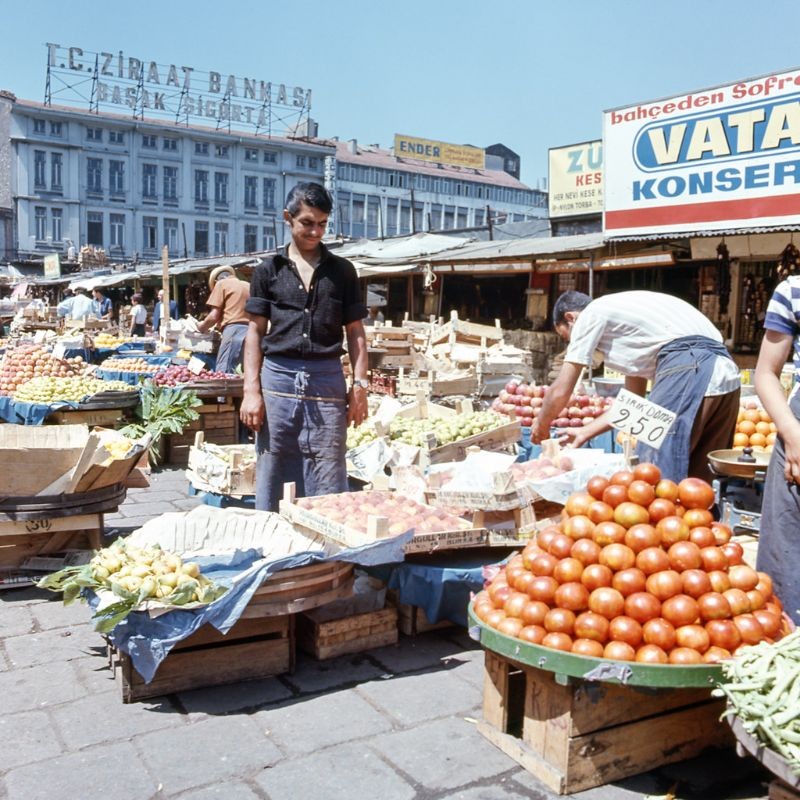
{"points": [[213, 318], [775, 350], [252, 410], [357, 407], [556, 398], [635, 384]]}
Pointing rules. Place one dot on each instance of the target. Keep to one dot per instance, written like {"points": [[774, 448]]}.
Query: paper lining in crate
{"points": [[223, 469], [199, 342], [335, 518]]}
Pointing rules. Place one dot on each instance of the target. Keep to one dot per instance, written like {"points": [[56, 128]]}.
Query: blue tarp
{"points": [[132, 378], [30, 413], [148, 640]]}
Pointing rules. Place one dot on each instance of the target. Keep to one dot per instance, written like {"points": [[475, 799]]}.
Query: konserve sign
{"points": [[706, 160]]}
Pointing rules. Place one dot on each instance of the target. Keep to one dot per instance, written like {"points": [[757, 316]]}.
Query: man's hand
{"points": [[573, 437], [357, 406], [190, 324], [252, 411]]}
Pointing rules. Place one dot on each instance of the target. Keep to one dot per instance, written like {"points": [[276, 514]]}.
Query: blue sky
{"points": [[532, 75]]}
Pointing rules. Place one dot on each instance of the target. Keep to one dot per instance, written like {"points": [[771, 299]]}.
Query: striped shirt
{"points": [[783, 315]]}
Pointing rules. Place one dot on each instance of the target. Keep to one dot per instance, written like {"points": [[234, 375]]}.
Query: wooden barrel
{"points": [[95, 501]]}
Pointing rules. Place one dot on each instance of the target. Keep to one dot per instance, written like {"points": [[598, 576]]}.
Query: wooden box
{"points": [[354, 634], [412, 620], [252, 649], [232, 474], [219, 423], [583, 734]]}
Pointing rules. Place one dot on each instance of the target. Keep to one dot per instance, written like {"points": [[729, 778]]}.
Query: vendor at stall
{"points": [[302, 302], [158, 311], [79, 306], [779, 529], [227, 301], [101, 305], [658, 337], [138, 316]]}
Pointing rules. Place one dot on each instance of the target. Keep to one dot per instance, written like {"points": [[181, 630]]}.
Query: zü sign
{"points": [[707, 160], [576, 179]]}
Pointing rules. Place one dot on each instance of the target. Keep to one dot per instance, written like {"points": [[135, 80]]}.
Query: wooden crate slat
{"points": [[352, 634]]}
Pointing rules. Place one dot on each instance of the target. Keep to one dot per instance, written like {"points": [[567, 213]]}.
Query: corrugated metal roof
{"points": [[522, 248], [414, 246], [698, 234]]}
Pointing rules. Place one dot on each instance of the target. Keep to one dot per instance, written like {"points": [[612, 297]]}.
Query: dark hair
{"points": [[312, 194], [137, 298], [569, 301]]}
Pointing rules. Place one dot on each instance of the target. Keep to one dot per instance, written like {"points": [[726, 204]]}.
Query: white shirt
{"points": [[630, 328], [139, 314]]}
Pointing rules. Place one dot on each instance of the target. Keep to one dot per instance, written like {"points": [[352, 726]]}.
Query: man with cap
{"points": [[303, 301], [227, 300], [77, 307], [158, 310]]}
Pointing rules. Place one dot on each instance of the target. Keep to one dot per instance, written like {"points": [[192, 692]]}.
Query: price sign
{"points": [[195, 365], [59, 351], [646, 421]]}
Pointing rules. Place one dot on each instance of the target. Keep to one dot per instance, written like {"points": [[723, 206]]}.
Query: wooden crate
{"points": [[778, 790], [583, 734], [208, 472], [434, 384], [219, 423], [252, 649], [412, 620], [354, 634], [24, 538], [103, 417]]}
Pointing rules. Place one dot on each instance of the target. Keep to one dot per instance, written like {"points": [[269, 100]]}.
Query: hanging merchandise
{"points": [[723, 276], [789, 261]]}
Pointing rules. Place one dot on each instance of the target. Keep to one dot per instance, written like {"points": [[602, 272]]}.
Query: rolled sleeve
{"points": [[258, 306], [353, 307]]}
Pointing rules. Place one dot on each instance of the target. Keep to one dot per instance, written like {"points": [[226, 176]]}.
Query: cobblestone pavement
{"points": [[397, 723]]}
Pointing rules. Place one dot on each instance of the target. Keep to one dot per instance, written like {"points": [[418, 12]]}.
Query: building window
{"points": [[39, 167], [405, 216], [94, 134], [56, 129], [313, 162], [201, 148], [148, 141], [435, 217], [171, 235], [267, 238], [250, 154], [116, 137], [201, 238], [39, 127], [201, 186], [149, 233], [94, 175], [220, 238], [250, 193], [94, 228], [391, 217], [270, 157], [373, 215], [417, 217], [169, 144], [300, 162], [56, 163], [170, 180], [149, 177], [449, 217], [40, 218], [221, 150], [116, 177], [116, 226], [269, 193], [480, 217], [250, 238], [56, 219], [358, 215], [461, 218], [221, 188]]}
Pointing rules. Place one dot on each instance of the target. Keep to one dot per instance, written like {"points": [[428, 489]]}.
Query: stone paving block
{"points": [[313, 723], [214, 749], [93, 674], [111, 719], [188, 503], [227, 791], [15, 620], [423, 651], [318, 676], [26, 737], [56, 615], [54, 646], [111, 771], [411, 699], [444, 754], [468, 665], [234, 696], [339, 773], [38, 686], [146, 510], [152, 497], [502, 789]]}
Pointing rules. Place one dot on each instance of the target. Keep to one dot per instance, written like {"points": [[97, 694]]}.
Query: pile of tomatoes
{"points": [[637, 570]]}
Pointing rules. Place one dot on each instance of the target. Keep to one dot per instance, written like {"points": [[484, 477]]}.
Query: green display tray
{"points": [[569, 665]]}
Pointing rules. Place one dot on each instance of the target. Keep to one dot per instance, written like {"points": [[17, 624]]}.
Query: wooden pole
{"points": [[162, 333]]}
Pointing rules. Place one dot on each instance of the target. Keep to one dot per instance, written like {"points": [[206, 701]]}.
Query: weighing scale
{"points": [[739, 486]]}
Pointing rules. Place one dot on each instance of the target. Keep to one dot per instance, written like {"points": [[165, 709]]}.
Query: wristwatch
{"points": [[362, 382]]}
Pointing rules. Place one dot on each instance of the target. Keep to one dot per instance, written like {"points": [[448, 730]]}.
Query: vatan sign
{"points": [[711, 159], [115, 81], [457, 155], [575, 179], [646, 421]]}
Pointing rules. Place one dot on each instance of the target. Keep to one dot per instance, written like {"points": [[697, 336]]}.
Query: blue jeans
{"points": [[304, 436], [231, 347]]}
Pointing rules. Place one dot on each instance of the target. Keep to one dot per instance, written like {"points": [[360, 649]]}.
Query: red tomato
{"points": [[608, 533], [641, 492], [623, 477], [652, 559], [694, 636], [713, 605], [579, 526], [659, 632], [660, 508], [590, 625], [586, 551], [684, 555], [558, 641], [685, 655], [647, 472], [672, 529], [534, 612], [578, 503], [625, 629], [587, 647], [619, 651], [651, 654], [607, 602], [667, 489], [664, 584], [543, 564], [510, 626], [543, 588], [695, 493], [595, 575], [629, 514], [596, 486], [680, 610], [573, 595], [638, 537], [559, 620], [615, 494], [532, 633], [599, 511], [695, 582], [642, 606], [628, 581], [617, 557]]}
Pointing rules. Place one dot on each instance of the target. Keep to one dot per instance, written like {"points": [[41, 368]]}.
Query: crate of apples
{"points": [[176, 374], [636, 570], [754, 428], [21, 364], [524, 402], [134, 365]]}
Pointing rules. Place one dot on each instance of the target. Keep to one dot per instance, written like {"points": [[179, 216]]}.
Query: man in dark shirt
{"points": [[303, 301]]}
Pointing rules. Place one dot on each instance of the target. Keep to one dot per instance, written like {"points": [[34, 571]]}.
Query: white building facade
{"points": [[131, 186], [379, 194]]}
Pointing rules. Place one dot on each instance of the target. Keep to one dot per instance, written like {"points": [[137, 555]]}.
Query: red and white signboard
{"points": [[712, 159]]}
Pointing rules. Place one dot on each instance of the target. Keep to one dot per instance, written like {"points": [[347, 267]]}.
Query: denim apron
{"points": [[683, 372], [231, 347], [779, 530], [304, 436]]}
